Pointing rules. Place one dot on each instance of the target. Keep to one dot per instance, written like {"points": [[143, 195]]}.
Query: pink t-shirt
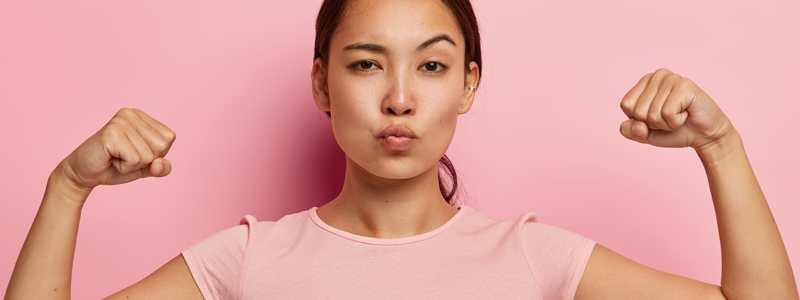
{"points": [[469, 257]]}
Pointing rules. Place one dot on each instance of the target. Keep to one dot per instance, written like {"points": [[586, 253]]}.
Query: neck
{"points": [[387, 208]]}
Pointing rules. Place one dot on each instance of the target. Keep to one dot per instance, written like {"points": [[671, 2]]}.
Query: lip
{"points": [[397, 137]]}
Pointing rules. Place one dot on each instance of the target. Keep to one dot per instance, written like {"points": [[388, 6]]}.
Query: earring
{"points": [[472, 89]]}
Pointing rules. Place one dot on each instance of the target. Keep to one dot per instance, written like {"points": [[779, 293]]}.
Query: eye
{"points": [[433, 67], [364, 66]]}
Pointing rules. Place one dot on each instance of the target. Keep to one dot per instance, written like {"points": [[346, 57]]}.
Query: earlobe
{"points": [[319, 86], [470, 88]]}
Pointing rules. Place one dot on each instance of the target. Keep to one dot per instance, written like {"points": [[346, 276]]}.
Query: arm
{"points": [[668, 110], [130, 146], [755, 264], [44, 266]]}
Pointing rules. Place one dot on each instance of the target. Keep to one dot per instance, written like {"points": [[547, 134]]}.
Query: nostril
{"points": [[391, 111], [407, 111]]}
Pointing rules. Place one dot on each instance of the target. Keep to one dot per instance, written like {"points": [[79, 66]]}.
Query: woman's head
{"points": [[390, 75]]}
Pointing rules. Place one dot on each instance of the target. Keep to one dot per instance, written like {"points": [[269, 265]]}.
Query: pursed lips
{"points": [[397, 137]]}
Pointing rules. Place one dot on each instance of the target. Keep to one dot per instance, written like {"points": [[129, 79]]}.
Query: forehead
{"points": [[395, 23]]}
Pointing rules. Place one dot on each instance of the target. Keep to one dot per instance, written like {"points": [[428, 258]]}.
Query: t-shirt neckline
{"points": [[379, 241]]}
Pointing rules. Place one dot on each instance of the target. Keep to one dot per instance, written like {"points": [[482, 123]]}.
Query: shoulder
{"points": [[219, 262], [249, 229], [526, 227], [556, 257], [539, 241]]}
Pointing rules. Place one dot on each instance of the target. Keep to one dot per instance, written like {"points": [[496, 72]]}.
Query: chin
{"points": [[395, 167]]}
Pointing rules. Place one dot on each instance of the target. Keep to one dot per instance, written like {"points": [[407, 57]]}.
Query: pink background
{"points": [[232, 79]]}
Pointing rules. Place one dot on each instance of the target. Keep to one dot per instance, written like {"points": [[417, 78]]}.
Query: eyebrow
{"points": [[382, 49]]}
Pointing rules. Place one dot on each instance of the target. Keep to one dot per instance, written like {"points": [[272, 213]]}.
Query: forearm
{"points": [[755, 264], [44, 266]]}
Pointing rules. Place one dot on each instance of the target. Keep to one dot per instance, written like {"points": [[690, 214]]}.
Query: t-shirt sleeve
{"points": [[556, 257], [219, 263]]}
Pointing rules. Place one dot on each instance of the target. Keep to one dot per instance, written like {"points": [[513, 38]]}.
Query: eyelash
{"points": [[356, 65]]}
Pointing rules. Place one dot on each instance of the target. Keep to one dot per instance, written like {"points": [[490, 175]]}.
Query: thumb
{"points": [[160, 167], [634, 130]]}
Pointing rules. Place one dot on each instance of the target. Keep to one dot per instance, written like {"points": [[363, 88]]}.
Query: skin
{"points": [[390, 194]]}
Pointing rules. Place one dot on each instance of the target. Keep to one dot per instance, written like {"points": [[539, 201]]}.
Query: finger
{"points": [[638, 131], [634, 130], [646, 98], [160, 167], [629, 101], [157, 143], [146, 155], [124, 154], [654, 113], [674, 110], [165, 132]]}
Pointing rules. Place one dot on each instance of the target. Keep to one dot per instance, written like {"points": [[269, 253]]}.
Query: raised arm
{"points": [[668, 110], [131, 146]]}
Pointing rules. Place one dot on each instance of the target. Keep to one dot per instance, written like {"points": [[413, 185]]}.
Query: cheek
{"points": [[353, 96], [353, 112], [441, 99], [439, 113]]}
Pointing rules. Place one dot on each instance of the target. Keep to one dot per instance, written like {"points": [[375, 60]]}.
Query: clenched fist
{"points": [[130, 146], [668, 110]]}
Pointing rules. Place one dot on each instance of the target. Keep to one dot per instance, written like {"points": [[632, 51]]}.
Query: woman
{"points": [[389, 75]]}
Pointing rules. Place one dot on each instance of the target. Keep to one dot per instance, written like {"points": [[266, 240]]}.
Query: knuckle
{"points": [[148, 157], [133, 160], [685, 83], [116, 120], [640, 115], [667, 112], [672, 78], [653, 116], [124, 112], [119, 122], [138, 113], [663, 71], [671, 120], [113, 131], [626, 105], [170, 136], [160, 145]]}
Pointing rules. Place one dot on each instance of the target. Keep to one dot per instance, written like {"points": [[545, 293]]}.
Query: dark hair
{"points": [[329, 17]]}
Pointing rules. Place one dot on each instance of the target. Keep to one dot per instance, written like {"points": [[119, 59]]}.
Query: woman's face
{"points": [[395, 84]]}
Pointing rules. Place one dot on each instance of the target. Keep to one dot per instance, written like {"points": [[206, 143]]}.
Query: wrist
{"points": [[61, 184], [717, 151]]}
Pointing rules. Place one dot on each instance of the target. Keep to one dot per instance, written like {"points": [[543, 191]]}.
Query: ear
{"points": [[471, 80], [319, 86]]}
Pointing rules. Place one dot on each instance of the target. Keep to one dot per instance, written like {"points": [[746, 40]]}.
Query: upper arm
{"points": [[609, 275], [171, 281]]}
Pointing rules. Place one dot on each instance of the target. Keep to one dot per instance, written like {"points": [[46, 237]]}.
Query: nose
{"points": [[399, 99]]}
